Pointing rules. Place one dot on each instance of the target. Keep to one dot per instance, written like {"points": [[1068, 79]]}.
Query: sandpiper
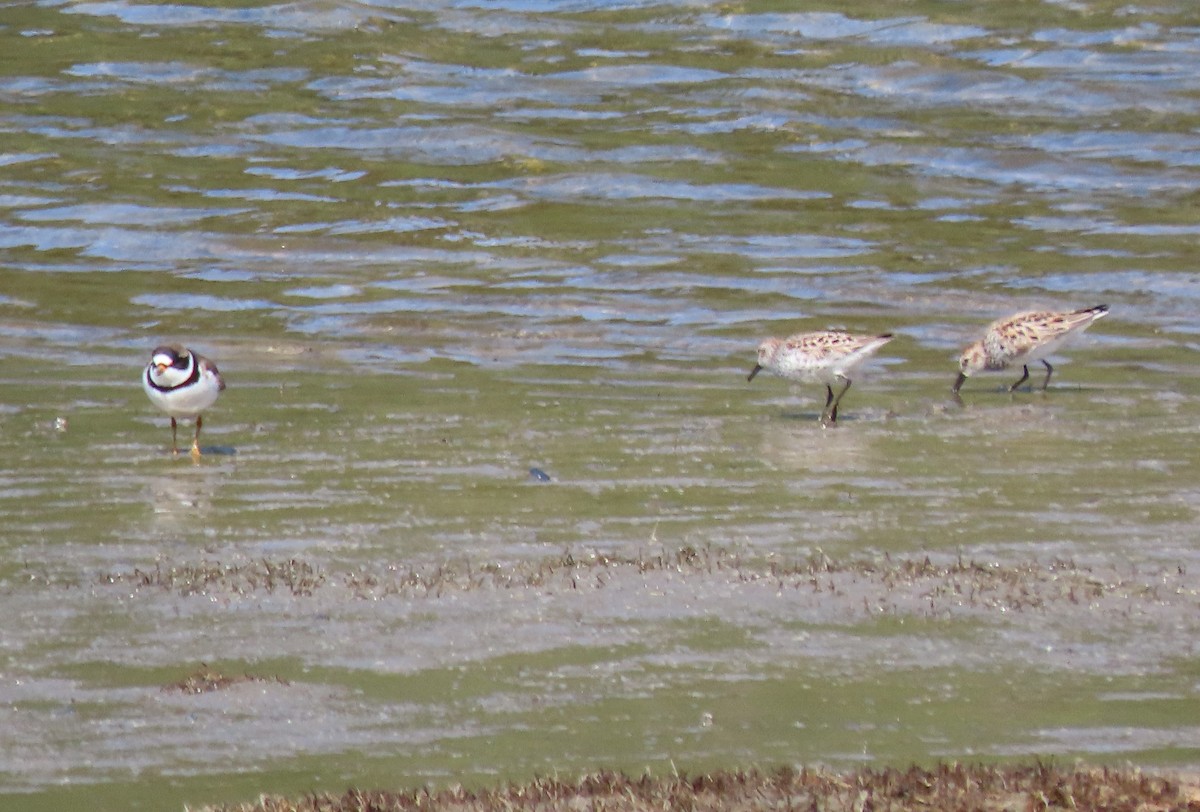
{"points": [[1023, 338], [827, 357]]}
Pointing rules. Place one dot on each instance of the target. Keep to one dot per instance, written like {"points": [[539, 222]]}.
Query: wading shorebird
{"points": [[1022, 339], [183, 384], [828, 357]]}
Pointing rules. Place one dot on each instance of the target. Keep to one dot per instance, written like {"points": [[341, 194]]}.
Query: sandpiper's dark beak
{"points": [[757, 369], [962, 376]]}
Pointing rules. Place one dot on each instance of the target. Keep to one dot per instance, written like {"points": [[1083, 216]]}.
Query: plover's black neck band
{"points": [[191, 379]]}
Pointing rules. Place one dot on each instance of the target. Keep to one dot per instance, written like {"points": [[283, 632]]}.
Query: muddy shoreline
{"points": [[979, 788]]}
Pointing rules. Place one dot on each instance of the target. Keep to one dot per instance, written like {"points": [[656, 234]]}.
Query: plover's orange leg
{"points": [[196, 437]]}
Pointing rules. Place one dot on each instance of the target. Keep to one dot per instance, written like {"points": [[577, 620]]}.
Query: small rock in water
{"points": [[539, 475]]}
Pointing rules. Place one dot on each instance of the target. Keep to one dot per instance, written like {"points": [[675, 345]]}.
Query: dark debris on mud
{"points": [[206, 680], [945, 787], [296, 577], [955, 581]]}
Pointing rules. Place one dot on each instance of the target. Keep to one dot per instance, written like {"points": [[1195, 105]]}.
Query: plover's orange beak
{"points": [[161, 368]]}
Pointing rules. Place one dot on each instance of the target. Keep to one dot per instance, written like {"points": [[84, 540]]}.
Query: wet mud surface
{"points": [[488, 496]]}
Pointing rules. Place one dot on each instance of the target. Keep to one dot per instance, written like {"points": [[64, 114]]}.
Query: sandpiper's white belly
{"points": [[1046, 348], [796, 367]]}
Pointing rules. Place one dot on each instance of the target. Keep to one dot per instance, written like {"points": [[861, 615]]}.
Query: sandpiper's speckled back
{"points": [[1025, 337], [826, 357]]}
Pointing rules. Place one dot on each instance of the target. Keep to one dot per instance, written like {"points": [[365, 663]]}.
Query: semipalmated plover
{"points": [[183, 384]]}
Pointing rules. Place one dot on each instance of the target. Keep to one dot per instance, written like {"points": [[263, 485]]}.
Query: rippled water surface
{"points": [[488, 495]]}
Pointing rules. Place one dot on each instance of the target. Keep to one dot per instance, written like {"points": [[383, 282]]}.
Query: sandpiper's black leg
{"points": [[1024, 377], [828, 400], [1049, 372], [836, 401]]}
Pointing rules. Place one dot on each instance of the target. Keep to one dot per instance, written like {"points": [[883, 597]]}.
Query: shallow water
{"points": [[434, 247]]}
